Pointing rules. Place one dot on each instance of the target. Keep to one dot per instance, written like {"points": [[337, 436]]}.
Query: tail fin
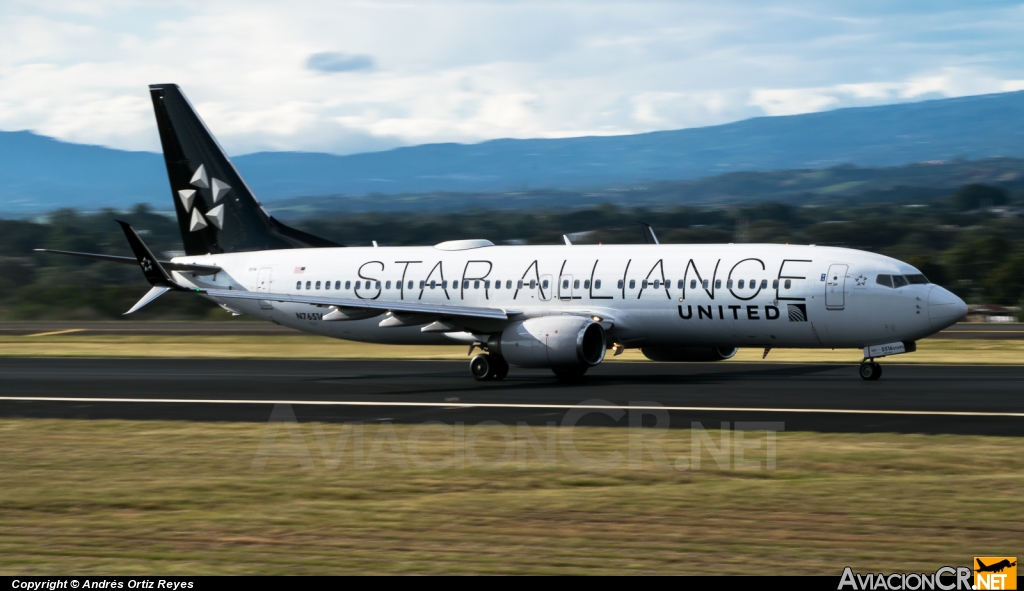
{"points": [[217, 212]]}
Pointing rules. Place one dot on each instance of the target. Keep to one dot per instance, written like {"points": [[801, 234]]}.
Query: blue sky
{"points": [[348, 77]]}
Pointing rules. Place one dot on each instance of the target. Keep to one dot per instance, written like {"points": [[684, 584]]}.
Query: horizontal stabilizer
{"points": [[153, 294], [190, 268]]}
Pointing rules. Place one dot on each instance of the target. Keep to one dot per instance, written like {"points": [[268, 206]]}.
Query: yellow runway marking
{"points": [[46, 334]]}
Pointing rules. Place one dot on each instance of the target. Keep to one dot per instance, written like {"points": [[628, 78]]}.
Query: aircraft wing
{"points": [[383, 305], [197, 269]]}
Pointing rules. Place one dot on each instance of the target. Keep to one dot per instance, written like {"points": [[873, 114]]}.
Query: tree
{"points": [[977, 196]]}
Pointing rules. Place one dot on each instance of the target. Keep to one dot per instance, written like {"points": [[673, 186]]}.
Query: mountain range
{"points": [[38, 173]]}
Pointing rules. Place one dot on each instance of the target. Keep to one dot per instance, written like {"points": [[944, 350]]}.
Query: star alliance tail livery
{"points": [[559, 307]]}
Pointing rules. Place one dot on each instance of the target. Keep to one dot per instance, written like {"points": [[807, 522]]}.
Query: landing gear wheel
{"points": [[482, 368], [870, 371], [570, 373], [500, 367]]}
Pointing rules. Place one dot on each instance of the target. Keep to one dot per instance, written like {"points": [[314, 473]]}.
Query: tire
{"points": [[870, 371], [482, 368], [570, 373], [500, 367]]}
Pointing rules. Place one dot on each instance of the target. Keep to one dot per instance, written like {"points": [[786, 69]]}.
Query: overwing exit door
{"points": [[565, 287], [835, 287]]}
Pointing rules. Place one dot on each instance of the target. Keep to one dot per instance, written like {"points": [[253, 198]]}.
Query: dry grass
{"points": [[119, 497], [300, 346]]}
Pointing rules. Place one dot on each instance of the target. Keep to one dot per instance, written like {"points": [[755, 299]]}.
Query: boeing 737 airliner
{"points": [[559, 307]]}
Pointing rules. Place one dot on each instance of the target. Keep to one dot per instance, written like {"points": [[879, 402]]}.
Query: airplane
{"points": [[994, 568], [561, 307]]}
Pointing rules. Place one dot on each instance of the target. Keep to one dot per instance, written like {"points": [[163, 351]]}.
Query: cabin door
{"points": [[263, 284], [835, 287]]}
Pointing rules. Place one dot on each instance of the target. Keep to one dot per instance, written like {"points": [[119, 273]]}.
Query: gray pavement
{"points": [[984, 400]]}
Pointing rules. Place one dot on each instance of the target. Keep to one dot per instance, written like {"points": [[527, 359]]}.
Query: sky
{"points": [[347, 77]]}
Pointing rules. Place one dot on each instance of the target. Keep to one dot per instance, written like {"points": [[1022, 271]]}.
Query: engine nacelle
{"points": [[552, 341], [688, 353]]}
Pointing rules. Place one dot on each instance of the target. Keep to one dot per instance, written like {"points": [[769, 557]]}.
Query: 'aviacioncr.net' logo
{"points": [[995, 572]]}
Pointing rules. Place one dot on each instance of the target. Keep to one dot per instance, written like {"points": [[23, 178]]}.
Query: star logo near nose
{"points": [[861, 280]]}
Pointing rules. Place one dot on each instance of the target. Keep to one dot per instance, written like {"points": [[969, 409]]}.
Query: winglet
{"points": [[151, 295], [151, 267], [649, 236]]}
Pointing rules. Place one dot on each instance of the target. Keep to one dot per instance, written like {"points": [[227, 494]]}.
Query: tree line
{"points": [[971, 242]]}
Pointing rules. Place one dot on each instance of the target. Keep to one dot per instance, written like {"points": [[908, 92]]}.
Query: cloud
{"points": [[472, 71], [333, 61]]}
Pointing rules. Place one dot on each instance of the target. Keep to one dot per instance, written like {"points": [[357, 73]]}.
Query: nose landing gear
{"points": [[869, 370], [488, 366]]}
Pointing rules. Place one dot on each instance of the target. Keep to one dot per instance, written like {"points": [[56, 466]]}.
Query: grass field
{"points": [[119, 497], [300, 346]]}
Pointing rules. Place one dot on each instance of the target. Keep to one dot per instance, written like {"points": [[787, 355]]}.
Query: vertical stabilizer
{"points": [[217, 212]]}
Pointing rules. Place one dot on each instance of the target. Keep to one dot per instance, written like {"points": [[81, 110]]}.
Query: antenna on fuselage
{"points": [[649, 237]]}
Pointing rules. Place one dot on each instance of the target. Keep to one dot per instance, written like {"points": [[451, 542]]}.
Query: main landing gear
{"points": [[488, 366], [869, 370]]}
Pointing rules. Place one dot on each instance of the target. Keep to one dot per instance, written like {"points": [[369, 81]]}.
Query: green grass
{"points": [[302, 346], [121, 497]]}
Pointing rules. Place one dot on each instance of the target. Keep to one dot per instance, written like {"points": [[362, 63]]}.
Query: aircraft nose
{"points": [[944, 308]]}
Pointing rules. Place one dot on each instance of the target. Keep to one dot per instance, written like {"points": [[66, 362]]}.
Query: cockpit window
{"points": [[901, 280]]}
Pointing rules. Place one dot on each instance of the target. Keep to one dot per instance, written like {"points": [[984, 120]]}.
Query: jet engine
{"points": [[688, 353], [553, 342]]}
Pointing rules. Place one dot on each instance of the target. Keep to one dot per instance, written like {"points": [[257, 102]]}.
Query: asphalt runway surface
{"points": [[984, 400], [984, 331]]}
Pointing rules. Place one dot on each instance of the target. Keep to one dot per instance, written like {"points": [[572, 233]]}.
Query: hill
{"points": [[39, 174]]}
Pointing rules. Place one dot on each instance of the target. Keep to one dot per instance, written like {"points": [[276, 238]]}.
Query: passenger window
{"points": [[487, 284], [307, 285], [680, 284], [410, 284], [348, 285], [433, 284], [519, 284], [444, 284], [693, 284], [620, 284], [576, 284], [718, 284], [544, 284], [657, 284], [298, 285], [753, 284], [337, 285], [508, 284], [476, 285], [788, 284], [597, 284], [729, 284], [643, 284], [377, 285], [775, 284], [586, 284], [387, 285], [423, 284], [899, 281], [632, 283], [533, 284], [327, 284], [497, 285], [764, 284], [318, 285], [565, 284], [741, 284], [705, 284]]}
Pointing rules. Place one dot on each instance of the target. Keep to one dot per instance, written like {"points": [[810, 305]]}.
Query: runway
{"points": [[981, 331], [984, 400]]}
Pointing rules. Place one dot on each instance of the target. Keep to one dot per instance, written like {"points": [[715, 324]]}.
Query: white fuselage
{"points": [[745, 295]]}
